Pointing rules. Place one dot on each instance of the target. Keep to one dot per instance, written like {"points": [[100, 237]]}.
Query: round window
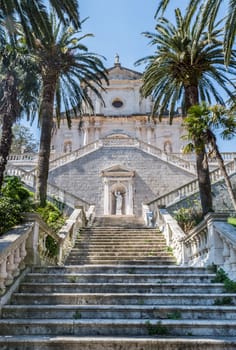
{"points": [[117, 103]]}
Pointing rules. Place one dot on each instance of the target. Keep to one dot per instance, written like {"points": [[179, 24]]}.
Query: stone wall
{"points": [[153, 177]]}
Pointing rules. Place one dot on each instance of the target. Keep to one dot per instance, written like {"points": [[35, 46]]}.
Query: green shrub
{"points": [[188, 218], [232, 221], [14, 200], [52, 216], [10, 214], [52, 246], [14, 189], [222, 277]]}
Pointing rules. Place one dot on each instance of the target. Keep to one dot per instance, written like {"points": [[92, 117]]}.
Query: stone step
{"points": [[113, 249], [118, 261], [114, 269], [121, 298], [112, 245], [122, 278], [53, 342], [122, 255], [122, 235], [122, 288], [120, 327], [119, 311]]}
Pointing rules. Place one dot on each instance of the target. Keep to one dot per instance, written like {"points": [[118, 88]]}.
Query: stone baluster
{"points": [[10, 268], [232, 258], [226, 255], [17, 260], [22, 255], [3, 275]]}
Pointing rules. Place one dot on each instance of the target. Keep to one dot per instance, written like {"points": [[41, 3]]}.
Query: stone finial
{"points": [[117, 59]]}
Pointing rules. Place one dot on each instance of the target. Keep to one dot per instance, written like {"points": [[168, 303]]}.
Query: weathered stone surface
{"points": [[153, 177]]}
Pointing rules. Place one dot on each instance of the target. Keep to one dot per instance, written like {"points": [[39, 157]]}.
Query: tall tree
{"points": [[211, 9], [23, 140], [67, 70], [33, 13], [18, 93], [187, 67], [201, 123]]}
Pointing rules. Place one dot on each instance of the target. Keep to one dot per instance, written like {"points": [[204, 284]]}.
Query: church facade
{"points": [[121, 155]]}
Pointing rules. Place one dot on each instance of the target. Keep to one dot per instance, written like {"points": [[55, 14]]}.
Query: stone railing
{"points": [[23, 157], [171, 158], [26, 245], [69, 157], [53, 191], [211, 243], [173, 234], [189, 188], [227, 157]]}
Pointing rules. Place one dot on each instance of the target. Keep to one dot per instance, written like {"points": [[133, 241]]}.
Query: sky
{"points": [[118, 25]]}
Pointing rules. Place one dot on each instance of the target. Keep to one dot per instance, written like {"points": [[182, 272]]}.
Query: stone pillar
{"points": [[149, 132], [106, 197]]}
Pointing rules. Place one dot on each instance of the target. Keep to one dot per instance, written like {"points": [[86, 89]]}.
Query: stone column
{"points": [[106, 197]]}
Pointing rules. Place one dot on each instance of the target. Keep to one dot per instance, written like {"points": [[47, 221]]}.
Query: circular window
{"points": [[117, 103]]}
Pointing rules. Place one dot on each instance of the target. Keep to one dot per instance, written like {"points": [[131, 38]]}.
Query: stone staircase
{"points": [[121, 290], [119, 245]]}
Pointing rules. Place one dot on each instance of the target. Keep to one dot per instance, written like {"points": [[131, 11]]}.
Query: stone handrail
{"points": [[29, 178], [173, 234], [211, 243], [22, 157], [25, 245], [190, 188], [171, 158], [227, 156], [69, 157]]}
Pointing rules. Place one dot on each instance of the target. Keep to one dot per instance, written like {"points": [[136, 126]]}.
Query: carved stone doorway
{"points": [[118, 191]]}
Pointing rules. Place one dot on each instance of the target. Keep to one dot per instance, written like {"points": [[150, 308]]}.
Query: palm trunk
{"points": [[9, 108], [204, 182], [46, 115], [224, 173]]}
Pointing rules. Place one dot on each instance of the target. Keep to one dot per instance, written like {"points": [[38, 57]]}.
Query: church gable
{"points": [[117, 170], [120, 73], [117, 72]]}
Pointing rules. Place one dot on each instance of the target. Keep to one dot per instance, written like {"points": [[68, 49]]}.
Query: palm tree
{"points": [[211, 9], [187, 67], [18, 93], [67, 70], [200, 124], [32, 13]]}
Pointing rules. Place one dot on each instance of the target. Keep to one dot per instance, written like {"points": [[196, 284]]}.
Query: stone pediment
{"points": [[117, 171], [120, 73]]}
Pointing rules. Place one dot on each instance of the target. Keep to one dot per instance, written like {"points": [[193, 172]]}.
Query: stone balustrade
{"points": [[69, 157], [23, 157], [12, 254], [53, 191], [25, 245], [212, 242], [173, 234], [190, 188], [227, 156]]}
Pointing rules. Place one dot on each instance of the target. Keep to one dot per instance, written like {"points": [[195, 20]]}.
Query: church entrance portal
{"points": [[118, 191]]}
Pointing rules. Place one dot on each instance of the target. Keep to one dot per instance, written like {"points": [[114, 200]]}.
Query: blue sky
{"points": [[117, 26]]}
